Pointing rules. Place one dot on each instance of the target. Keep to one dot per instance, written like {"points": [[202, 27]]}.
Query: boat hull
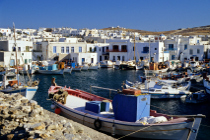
{"points": [[93, 67], [156, 131], [68, 70], [50, 71], [27, 92]]}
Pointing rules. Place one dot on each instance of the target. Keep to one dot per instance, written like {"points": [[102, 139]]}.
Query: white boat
{"points": [[169, 89], [31, 71], [77, 69], [50, 71], [196, 97], [76, 107], [94, 67], [10, 86], [67, 70], [84, 68], [106, 64], [139, 67], [156, 71]]}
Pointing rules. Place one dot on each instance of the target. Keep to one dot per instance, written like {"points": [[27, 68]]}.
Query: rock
{"points": [[69, 136], [79, 129], [38, 126], [26, 109], [63, 121], [52, 127], [10, 136], [24, 101], [68, 124]]}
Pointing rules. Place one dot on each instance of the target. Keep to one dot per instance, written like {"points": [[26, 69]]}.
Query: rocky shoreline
{"points": [[22, 119]]}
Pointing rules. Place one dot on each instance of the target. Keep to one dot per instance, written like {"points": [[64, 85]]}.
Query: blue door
{"points": [[83, 60]]}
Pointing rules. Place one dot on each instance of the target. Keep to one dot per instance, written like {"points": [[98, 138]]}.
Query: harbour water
{"points": [[110, 78]]}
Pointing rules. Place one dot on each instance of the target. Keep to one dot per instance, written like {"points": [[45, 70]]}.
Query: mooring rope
{"points": [[135, 132]]}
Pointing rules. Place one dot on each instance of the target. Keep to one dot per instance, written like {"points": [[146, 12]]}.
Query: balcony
{"points": [[116, 50], [145, 52], [171, 49]]}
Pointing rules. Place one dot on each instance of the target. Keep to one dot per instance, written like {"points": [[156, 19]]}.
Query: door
{"points": [[83, 60], [12, 62], [92, 60]]}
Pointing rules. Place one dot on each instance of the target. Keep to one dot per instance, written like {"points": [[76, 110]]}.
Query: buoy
{"points": [[52, 106], [57, 110]]}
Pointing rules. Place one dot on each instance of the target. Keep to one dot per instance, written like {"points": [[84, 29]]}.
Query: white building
{"points": [[5, 31], [8, 52]]}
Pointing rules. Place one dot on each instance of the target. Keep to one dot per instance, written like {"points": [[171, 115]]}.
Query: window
{"points": [[25, 61], [172, 57], [118, 57], [123, 58], [72, 49], [198, 51], [29, 60], [145, 49], [99, 49], [155, 48], [133, 48], [191, 51], [80, 49], [171, 46], [54, 49], [114, 58], [67, 49], [19, 49], [100, 58], [62, 49], [92, 60], [198, 41], [14, 49], [185, 46]]}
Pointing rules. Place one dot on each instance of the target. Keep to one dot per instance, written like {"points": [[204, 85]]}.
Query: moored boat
{"points": [[95, 112]]}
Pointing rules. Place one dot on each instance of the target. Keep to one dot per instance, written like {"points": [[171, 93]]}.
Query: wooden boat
{"points": [[84, 68], [67, 70], [50, 71], [74, 106], [77, 69], [106, 64], [10, 85]]}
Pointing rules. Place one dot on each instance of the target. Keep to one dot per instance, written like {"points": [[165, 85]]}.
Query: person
{"points": [[53, 82]]}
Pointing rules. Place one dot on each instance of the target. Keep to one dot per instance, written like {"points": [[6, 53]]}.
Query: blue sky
{"points": [[150, 15]]}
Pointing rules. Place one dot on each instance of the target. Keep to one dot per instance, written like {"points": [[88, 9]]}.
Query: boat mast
{"points": [[149, 50], [15, 48], [134, 49]]}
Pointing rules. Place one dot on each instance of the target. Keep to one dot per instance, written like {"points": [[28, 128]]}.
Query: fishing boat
{"points": [[51, 72], [128, 65], [92, 67], [67, 70], [11, 84], [106, 64], [84, 68], [126, 115], [196, 97], [169, 89], [156, 68], [77, 69]]}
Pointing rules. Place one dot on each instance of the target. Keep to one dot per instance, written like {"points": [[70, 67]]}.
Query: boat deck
{"points": [[79, 105]]}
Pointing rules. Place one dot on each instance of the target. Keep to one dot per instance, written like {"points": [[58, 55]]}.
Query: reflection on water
{"points": [[110, 78]]}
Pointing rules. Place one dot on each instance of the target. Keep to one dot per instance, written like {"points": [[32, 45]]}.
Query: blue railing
{"points": [[171, 49]]}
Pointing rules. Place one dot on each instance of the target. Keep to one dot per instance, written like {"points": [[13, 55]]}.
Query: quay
{"points": [[24, 119]]}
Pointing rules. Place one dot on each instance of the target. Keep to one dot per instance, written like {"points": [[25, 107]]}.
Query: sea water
{"points": [[113, 79]]}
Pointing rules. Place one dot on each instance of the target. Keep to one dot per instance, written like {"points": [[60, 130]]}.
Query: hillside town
{"points": [[94, 46]]}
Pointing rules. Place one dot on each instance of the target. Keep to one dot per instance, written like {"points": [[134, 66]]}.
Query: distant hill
{"points": [[202, 30]]}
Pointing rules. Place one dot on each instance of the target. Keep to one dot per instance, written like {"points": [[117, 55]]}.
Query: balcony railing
{"points": [[116, 50], [145, 52], [171, 49]]}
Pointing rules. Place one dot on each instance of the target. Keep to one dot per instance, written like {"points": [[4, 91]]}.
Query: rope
{"points": [[158, 107], [135, 132], [104, 88], [204, 125]]}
